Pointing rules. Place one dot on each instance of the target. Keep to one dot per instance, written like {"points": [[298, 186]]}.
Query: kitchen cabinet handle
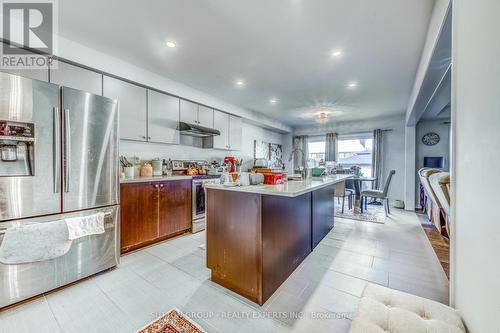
{"points": [[149, 138], [156, 185], [67, 150], [56, 150], [161, 185], [142, 137]]}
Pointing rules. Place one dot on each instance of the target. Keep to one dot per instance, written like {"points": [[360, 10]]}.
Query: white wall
{"points": [[442, 128], [148, 151], [394, 143], [476, 157], [409, 176], [287, 150]]}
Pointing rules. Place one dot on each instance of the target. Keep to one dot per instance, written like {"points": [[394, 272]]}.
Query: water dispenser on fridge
{"points": [[17, 146]]}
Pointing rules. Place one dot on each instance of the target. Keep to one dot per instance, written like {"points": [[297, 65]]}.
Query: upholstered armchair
{"points": [[440, 183], [433, 208]]}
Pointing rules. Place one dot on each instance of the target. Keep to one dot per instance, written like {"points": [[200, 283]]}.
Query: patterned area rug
{"points": [[374, 213], [174, 321]]}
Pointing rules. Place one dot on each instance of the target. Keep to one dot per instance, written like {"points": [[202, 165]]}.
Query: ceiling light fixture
{"points": [[352, 85], [171, 44], [273, 101], [321, 117], [239, 83], [336, 54]]}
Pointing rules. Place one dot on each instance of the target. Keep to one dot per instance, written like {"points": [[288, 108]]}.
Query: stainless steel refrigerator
{"points": [[59, 159]]}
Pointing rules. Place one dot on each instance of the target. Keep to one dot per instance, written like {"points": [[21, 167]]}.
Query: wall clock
{"points": [[430, 139]]}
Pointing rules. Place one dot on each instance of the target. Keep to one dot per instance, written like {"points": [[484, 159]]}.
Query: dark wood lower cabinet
{"points": [[138, 214], [175, 207], [153, 211]]}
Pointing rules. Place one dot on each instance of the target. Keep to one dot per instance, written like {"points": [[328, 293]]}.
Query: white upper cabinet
{"points": [[235, 132], [131, 105], [230, 128], [36, 74], [205, 116], [71, 76], [163, 118], [221, 123], [189, 112], [193, 113]]}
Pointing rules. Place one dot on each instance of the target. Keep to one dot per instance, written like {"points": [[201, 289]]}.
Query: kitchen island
{"points": [[257, 235]]}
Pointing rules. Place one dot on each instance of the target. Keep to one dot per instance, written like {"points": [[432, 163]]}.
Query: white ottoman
{"points": [[384, 310]]}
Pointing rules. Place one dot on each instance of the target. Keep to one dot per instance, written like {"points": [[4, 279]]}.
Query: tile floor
{"points": [[320, 296]]}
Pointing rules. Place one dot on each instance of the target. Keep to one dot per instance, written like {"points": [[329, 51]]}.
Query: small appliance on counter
{"points": [[157, 165], [274, 178], [230, 161], [256, 178], [178, 165], [146, 170], [318, 172]]}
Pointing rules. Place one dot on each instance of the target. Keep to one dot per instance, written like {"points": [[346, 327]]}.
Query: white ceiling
{"points": [[281, 48]]}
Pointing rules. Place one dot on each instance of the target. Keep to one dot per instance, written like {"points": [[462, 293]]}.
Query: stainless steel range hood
{"points": [[197, 130]]}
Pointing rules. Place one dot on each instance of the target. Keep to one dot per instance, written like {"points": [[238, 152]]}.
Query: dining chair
{"points": [[378, 194], [342, 192]]}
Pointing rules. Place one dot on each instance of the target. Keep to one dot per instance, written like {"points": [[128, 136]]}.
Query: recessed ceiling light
{"points": [[336, 53], [352, 85], [273, 101], [171, 44], [239, 83]]}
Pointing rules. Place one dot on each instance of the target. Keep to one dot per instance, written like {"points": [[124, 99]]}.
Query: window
{"points": [[316, 151], [356, 151], [353, 150]]}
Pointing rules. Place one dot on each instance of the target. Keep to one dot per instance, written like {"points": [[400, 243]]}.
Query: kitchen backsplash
{"points": [[148, 151]]}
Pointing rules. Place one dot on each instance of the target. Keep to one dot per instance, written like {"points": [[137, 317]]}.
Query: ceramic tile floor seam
{"points": [[114, 303], [362, 278], [333, 287], [310, 302], [352, 250], [52, 312]]}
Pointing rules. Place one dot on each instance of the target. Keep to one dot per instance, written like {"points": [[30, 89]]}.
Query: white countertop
{"points": [[289, 189], [153, 179]]}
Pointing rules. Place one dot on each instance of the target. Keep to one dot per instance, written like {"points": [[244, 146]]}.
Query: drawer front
{"points": [[41, 269]]}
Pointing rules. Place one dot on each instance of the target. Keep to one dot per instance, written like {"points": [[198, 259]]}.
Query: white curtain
{"points": [[377, 157], [300, 151], [331, 147]]}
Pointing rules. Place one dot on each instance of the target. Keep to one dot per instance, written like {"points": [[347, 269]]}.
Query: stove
{"points": [[206, 177], [198, 200]]}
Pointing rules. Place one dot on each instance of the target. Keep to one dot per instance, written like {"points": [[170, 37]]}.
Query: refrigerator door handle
{"points": [[67, 150], [57, 150]]}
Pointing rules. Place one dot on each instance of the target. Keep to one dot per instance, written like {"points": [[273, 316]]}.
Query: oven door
{"points": [[198, 200]]}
